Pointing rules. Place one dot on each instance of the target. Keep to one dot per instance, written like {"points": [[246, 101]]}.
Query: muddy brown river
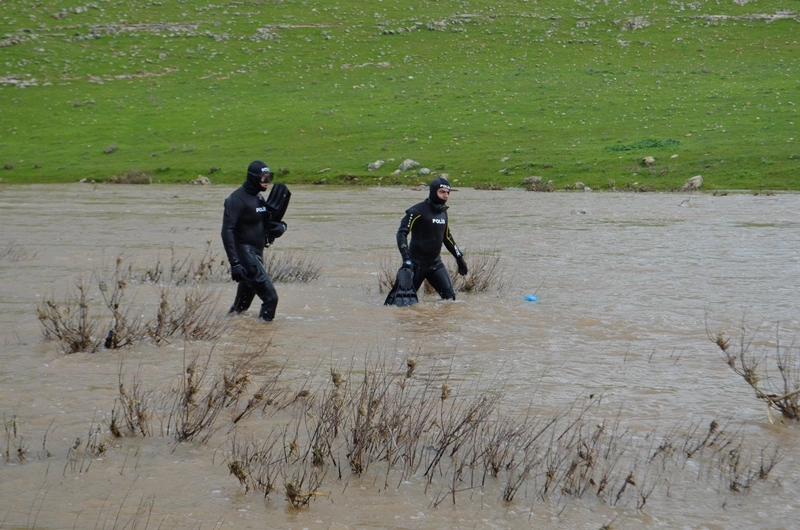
{"points": [[629, 288]]}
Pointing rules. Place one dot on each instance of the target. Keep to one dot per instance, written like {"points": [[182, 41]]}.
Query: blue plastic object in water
{"points": [[531, 298]]}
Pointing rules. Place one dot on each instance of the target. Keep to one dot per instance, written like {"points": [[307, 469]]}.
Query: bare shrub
{"points": [[16, 447], [489, 186], [134, 406], [387, 272], [125, 330], [132, 177], [485, 274], [189, 314], [537, 184], [205, 392], [15, 252], [70, 323], [385, 417], [257, 464], [301, 483], [82, 453], [292, 268], [773, 371], [209, 267]]}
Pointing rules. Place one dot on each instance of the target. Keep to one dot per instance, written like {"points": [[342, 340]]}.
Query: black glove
{"points": [[404, 253], [277, 229], [237, 273], [462, 266]]}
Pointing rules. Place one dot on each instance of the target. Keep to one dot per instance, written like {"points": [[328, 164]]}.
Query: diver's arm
{"points": [[230, 218], [450, 243], [402, 234]]}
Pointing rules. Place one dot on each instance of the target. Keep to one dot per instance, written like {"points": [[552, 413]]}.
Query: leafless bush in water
{"points": [[208, 268], [387, 272], [70, 323], [133, 409], [211, 268], [15, 252], [771, 370], [195, 317], [456, 443], [202, 396], [393, 423], [485, 274], [291, 268], [82, 453], [125, 330], [257, 464], [16, 447], [188, 312]]}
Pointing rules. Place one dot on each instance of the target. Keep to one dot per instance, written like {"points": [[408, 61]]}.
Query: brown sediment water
{"points": [[630, 289]]}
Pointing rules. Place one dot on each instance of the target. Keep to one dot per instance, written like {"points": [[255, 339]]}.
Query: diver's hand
{"points": [[237, 273], [462, 266], [277, 229]]}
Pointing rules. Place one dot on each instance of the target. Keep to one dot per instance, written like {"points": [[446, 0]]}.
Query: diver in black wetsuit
{"points": [[246, 226], [427, 224]]}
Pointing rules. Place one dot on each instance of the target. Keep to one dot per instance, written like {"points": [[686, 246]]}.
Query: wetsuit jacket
{"points": [[244, 222], [427, 224]]}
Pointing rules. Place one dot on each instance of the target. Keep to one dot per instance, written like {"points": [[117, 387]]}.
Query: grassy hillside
{"points": [[485, 91]]}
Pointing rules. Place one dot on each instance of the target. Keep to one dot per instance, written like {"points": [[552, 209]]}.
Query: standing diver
{"points": [[427, 224], [246, 227]]}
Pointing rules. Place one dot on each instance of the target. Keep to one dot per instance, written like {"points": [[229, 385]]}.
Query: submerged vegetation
{"points": [[485, 274], [486, 92], [403, 428], [185, 309], [399, 425], [772, 370]]}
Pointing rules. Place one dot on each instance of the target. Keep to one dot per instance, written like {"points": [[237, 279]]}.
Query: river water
{"points": [[629, 289]]}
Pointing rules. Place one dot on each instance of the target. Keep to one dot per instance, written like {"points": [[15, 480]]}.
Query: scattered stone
{"points": [[375, 165], [408, 164], [213, 170], [694, 183], [648, 161], [424, 172], [536, 183], [200, 181], [636, 23], [8, 166]]}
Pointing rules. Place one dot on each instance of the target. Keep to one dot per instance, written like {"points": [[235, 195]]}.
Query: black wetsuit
{"points": [[245, 228], [427, 224]]}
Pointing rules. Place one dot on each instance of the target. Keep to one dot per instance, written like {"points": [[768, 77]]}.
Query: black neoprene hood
{"points": [[436, 185]]}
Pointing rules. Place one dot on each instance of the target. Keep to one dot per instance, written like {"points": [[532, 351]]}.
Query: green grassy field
{"points": [[487, 92]]}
